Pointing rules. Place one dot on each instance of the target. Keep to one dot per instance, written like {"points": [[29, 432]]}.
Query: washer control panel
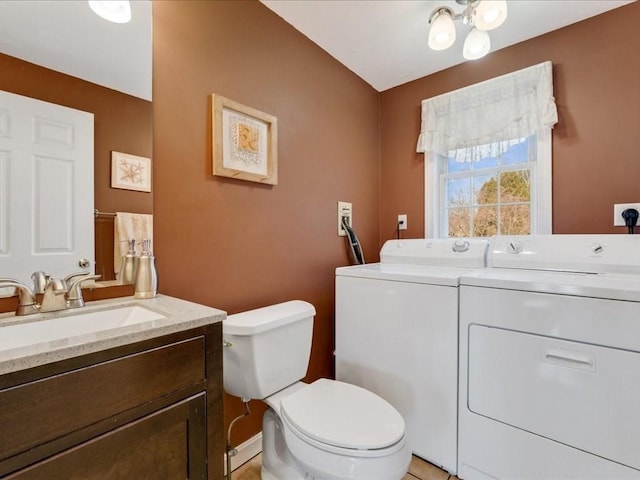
{"points": [[567, 253]]}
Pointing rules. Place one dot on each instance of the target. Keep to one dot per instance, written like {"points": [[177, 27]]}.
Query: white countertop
{"points": [[177, 315]]}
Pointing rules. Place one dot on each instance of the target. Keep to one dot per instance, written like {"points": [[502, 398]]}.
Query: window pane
{"points": [[485, 189], [485, 221], [515, 186], [459, 222], [457, 164], [458, 191], [517, 153], [515, 220], [485, 162]]}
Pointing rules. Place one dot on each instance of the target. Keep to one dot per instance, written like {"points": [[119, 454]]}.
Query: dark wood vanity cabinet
{"points": [[149, 410]]}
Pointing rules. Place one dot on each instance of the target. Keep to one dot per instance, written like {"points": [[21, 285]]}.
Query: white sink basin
{"points": [[81, 323]]}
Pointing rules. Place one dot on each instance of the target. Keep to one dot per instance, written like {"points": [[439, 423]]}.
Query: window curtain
{"points": [[511, 106]]}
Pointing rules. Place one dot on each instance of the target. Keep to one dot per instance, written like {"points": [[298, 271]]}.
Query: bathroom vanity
{"points": [[138, 397]]}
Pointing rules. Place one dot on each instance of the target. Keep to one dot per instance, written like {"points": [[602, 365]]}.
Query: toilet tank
{"points": [[267, 349]]}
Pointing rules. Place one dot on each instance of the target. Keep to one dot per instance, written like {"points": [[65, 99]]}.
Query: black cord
{"points": [[630, 216], [398, 229]]}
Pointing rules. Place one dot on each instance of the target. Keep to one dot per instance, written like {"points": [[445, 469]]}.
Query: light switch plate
{"points": [[345, 209], [402, 221]]}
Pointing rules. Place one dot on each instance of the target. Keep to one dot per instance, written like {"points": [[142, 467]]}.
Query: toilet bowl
{"points": [[326, 430]]}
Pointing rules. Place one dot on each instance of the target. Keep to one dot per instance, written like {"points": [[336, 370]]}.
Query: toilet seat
{"points": [[342, 418]]}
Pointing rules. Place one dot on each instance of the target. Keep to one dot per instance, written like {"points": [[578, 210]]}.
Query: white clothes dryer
{"points": [[550, 360], [397, 335]]}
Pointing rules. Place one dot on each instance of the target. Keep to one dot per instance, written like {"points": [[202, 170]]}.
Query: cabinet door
{"points": [[169, 444]]}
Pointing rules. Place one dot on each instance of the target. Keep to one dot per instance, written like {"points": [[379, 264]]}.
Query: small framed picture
{"points": [[244, 142], [130, 172]]}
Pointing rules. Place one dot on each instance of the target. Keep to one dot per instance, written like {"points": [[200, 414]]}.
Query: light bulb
{"points": [[117, 11], [490, 14], [476, 45], [443, 32]]}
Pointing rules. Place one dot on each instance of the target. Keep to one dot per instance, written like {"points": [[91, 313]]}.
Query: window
{"points": [[488, 157], [487, 190]]}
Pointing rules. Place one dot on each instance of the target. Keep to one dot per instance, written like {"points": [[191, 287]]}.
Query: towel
{"points": [[127, 226]]}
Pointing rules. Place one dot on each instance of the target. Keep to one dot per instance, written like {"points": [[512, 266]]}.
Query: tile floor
{"points": [[419, 469]]}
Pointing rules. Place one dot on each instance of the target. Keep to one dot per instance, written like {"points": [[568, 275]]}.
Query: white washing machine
{"points": [[397, 335], [550, 360]]}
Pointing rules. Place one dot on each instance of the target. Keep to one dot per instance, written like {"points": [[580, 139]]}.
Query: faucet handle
{"points": [[67, 280], [26, 300], [74, 295]]}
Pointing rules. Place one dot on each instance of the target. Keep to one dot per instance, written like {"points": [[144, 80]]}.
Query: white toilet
{"points": [[326, 430]]}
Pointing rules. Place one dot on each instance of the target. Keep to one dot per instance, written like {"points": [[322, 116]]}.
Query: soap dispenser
{"points": [[146, 284], [129, 264]]}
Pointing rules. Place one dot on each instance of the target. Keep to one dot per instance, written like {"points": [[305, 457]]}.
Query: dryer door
{"points": [[581, 395]]}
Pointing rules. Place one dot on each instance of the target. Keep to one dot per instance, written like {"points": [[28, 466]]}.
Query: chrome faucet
{"points": [[67, 293], [58, 294], [27, 300]]}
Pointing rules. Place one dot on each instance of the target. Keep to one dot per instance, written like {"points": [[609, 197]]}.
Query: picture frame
{"points": [[130, 172], [244, 142]]}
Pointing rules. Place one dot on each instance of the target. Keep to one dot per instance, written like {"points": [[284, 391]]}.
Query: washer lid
{"points": [[343, 415]]}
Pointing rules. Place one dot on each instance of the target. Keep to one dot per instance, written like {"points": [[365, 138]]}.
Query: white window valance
{"points": [[511, 106]]}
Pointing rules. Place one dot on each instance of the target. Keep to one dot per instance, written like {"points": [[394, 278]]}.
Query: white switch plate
{"points": [[402, 218], [618, 208], [345, 209]]}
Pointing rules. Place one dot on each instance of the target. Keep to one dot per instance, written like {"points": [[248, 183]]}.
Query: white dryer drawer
{"points": [[578, 394]]}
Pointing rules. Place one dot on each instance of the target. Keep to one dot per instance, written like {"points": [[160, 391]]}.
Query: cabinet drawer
{"points": [[40, 411]]}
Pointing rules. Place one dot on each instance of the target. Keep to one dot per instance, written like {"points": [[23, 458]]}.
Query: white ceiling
{"points": [[385, 41], [66, 36], [382, 41]]}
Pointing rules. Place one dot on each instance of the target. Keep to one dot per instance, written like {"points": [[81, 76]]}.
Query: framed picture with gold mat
{"points": [[245, 142]]}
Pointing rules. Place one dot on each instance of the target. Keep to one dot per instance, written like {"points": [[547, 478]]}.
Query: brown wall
{"points": [[596, 163], [238, 245], [121, 122]]}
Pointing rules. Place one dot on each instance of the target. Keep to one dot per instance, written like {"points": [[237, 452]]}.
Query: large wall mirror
{"points": [[61, 52]]}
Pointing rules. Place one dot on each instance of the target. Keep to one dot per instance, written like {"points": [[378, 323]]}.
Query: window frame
{"points": [[541, 191]]}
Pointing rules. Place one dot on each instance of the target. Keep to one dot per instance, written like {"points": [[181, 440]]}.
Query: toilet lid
{"points": [[343, 415]]}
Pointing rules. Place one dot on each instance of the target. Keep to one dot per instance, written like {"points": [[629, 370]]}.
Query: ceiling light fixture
{"points": [[481, 15], [443, 31], [116, 11]]}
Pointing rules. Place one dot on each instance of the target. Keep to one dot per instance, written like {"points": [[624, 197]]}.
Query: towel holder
{"points": [[97, 213]]}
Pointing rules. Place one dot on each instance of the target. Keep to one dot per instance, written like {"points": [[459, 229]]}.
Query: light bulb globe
{"points": [[490, 14], [442, 33], [476, 45]]}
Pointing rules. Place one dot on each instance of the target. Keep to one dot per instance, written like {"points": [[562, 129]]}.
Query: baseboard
{"points": [[246, 451]]}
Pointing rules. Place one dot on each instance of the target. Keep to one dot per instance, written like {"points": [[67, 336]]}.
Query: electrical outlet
{"points": [[618, 208], [402, 221], [345, 209]]}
